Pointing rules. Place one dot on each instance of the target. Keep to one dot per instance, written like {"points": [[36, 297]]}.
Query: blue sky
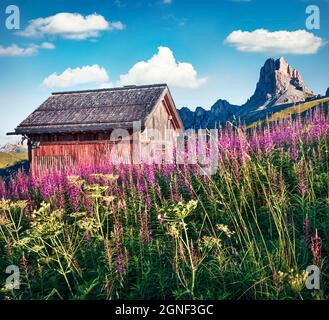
{"points": [[82, 44]]}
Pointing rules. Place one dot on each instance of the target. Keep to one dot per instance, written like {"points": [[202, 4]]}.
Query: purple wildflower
{"points": [[316, 249]]}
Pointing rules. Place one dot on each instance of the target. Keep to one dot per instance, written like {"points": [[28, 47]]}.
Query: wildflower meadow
{"points": [[151, 231]]}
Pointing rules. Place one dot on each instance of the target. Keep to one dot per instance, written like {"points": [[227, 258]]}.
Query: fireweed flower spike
{"points": [[3, 189], [133, 228], [316, 249]]}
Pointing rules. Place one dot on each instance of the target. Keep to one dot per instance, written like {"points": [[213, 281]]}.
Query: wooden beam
{"points": [[170, 111]]}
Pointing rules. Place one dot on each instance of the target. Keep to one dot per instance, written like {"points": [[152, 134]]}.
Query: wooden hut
{"points": [[78, 127]]}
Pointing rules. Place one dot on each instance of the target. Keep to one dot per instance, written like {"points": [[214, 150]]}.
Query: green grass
{"points": [[10, 159], [302, 108], [239, 234], [293, 110], [247, 232]]}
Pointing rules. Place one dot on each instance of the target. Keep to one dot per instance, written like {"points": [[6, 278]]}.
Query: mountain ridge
{"points": [[280, 86], [13, 148]]}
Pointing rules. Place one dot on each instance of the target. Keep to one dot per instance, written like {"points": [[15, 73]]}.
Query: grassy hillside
{"points": [[295, 109], [301, 108], [10, 159]]}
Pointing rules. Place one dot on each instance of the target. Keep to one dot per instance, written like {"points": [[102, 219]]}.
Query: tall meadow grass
{"points": [[169, 232]]}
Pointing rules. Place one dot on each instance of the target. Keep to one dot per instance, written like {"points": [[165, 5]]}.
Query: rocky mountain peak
{"points": [[219, 113], [279, 83], [14, 148], [279, 86]]}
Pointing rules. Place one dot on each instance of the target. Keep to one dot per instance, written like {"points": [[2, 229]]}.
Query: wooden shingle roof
{"points": [[92, 110]]}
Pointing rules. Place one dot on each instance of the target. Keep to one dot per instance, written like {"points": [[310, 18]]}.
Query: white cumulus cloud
{"points": [[47, 45], [163, 68], [280, 42], [78, 76], [16, 51], [70, 26]]}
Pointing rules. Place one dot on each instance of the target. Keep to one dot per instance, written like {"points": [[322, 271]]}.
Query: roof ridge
{"points": [[131, 87], [91, 107]]}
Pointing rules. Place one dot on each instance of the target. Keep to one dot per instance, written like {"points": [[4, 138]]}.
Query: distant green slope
{"points": [[10, 159], [301, 108]]}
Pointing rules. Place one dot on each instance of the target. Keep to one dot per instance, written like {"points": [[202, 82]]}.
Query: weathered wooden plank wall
{"points": [[64, 156]]}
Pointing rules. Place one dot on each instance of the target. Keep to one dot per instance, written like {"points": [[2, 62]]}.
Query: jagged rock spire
{"points": [[278, 83]]}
